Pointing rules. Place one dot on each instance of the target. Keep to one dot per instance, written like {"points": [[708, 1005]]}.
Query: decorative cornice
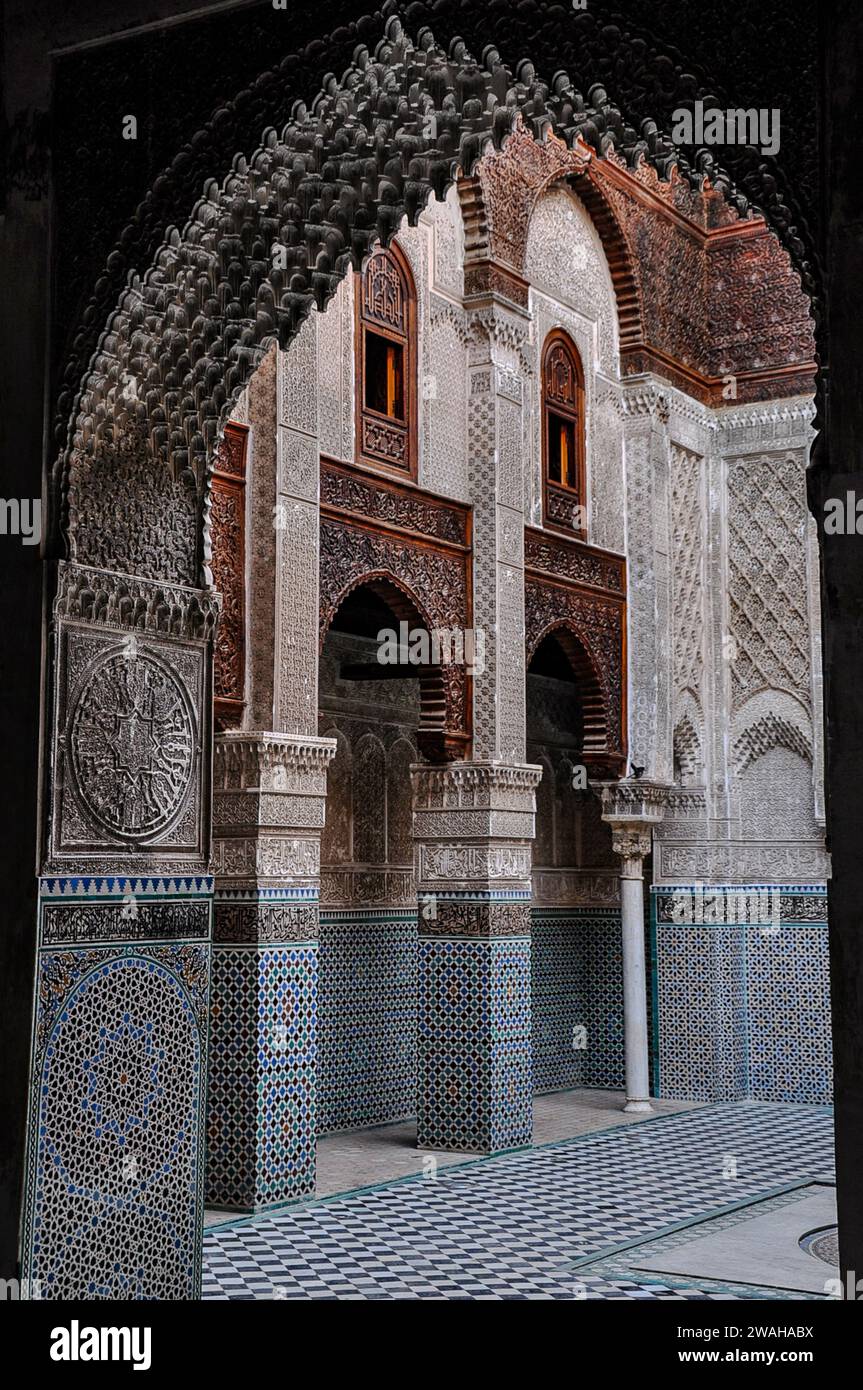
{"points": [[128, 603], [634, 802], [468, 781], [269, 761], [574, 562]]}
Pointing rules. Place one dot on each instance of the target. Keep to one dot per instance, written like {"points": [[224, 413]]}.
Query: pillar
{"points": [[473, 827], [269, 803], [632, 808], [113, 1198]]}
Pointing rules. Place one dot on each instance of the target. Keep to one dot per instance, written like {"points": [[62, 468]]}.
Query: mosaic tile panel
{"points": [[788, 1009], [474, 1046], [113, 1205], [261, 1102], [367, 1019], [741, 1010], [577, 999]]}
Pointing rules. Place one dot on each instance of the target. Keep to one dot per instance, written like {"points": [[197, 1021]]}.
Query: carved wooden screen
{"points": [[228, 522], [563, 466], [386, 364]]}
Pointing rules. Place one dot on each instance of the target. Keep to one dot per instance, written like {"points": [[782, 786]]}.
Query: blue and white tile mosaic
{"points": [[741, 1001], [261, 1095], [113, 1204], [367, 1018], [577, 998], [474, 1047]]}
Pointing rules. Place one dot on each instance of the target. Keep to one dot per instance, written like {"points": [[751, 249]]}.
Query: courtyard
{"points": [[611, 1213]]}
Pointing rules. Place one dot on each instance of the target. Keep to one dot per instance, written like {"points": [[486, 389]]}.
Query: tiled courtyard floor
{"points": [[562, 1221]]}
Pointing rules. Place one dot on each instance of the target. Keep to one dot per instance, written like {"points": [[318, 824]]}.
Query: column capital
{"points": [[261, 758], [632, 807], [475, 786]]}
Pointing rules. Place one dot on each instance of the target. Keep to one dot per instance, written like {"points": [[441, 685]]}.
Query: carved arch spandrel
{"points": [[398, 572], [590, 630]]}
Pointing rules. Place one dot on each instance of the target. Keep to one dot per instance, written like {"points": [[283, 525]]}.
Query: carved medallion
{"points": [[132, 745]]}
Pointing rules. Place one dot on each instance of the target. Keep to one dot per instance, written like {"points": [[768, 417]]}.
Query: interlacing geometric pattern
{"points": [[742, 1003], [367, 1009], [524, 1226], [687, 481], [474, 1077], [576, 998], [767, 575], [113, 1206], [261, 1100]]}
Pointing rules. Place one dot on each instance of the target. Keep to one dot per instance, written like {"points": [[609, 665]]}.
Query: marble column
{"points": [[632, 809], [473, 827]]}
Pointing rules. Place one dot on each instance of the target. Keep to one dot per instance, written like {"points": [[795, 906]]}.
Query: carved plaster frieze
{"points": [[634, 800], [575, 888], [461, 866], [367, 887], [475, 786], [252, 859], [245, 811], [781, 424], [442, 825], [272, 762], [737, 862], [90, 595]]}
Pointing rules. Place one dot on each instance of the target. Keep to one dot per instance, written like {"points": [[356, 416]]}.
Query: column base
{"points": [[638, 1107]]}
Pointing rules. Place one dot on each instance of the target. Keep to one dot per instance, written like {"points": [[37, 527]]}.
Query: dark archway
{"points": [[376, 602], [575, 918], [559, 650], [367, 967]]}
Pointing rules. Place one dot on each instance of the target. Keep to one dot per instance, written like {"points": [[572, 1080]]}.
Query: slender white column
{"points": [[632, 846], [632, 808]]}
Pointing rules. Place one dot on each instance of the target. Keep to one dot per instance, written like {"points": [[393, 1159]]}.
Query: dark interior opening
{"points": [[385, 376]]}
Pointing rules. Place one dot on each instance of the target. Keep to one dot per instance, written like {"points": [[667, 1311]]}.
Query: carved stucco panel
{"points": [[130, 722], [261, 548], [566, 261], [649, 645], [767, 575], [335, 351], [688, 515], [297, 617]]}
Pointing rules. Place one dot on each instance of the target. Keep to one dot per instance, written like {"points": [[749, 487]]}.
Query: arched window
{"points": [[564, 482], [386, 363]]}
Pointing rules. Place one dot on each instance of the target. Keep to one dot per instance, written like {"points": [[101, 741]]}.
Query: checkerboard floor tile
{"points": [[513, 1227]]}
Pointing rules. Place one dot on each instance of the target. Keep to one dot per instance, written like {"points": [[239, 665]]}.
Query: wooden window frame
{"points": [[558, 496], [368, 420]]}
